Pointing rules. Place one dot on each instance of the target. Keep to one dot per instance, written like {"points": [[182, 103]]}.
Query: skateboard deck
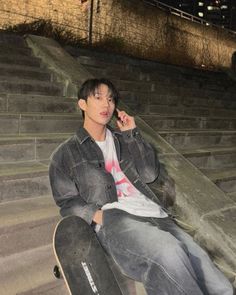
{"points": [[82, 260]]}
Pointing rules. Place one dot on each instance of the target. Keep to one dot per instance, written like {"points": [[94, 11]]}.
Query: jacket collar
{"points": [[82, 134]]}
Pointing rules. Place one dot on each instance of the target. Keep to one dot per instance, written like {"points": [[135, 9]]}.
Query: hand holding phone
{"points": [[124, 121]]}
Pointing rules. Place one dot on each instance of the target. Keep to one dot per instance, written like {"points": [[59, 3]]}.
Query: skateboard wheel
{"points": [[56, 272]]}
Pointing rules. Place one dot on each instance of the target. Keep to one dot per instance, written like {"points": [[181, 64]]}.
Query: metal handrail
{"points": [[184, 15]]}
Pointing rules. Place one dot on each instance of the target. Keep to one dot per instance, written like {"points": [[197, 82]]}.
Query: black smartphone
{"points": [[116, 114]]}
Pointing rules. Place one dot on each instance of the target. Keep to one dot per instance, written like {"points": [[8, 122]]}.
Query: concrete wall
{"points": [[139, 30]]}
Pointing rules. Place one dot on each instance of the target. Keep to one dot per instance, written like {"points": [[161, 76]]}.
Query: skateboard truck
{"points": [[56, 272]]}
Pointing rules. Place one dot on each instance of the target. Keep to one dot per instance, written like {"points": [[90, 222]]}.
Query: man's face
{"points": [[99, 107]]}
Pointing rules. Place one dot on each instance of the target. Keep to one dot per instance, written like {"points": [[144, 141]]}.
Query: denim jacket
{"points": [[79, 181]]}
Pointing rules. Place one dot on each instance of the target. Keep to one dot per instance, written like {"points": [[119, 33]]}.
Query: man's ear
{"points": [[82, 104]]}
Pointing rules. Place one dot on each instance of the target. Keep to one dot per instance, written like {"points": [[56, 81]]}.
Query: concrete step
{"points": [[27, 270], [14, 49], [24, 221], [27, 86], [21, 224], [15, 103], [115, 74], [39, 123], [159, 122], [12, 39], [142, 108], [89, 62], [25, 148], [56, 287], [23, 180], [225, 178], [199, 138], [155, 100], [211, 158], [125, 85], [24, 72], [19, 59]]}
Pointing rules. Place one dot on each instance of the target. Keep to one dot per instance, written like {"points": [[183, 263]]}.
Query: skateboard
{"points": [[81, 259]]}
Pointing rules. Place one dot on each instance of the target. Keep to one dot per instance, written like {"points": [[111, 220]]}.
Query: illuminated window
{"points": [[224, 7], [200, 4], [210, 8], [200, 14]]}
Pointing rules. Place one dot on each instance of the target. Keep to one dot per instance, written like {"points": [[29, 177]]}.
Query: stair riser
{"points": [[131, 86], [156, 100], [141, 109], [28, 88], [173, 124], [199, 141], [26, 74], [28, 150], [12, 39], [92, 63], [228, 186], [214, 161], [28, 187], [25, 104], [25, 51], [27, 236], [30, 125], [19, 60], [114, 74]]}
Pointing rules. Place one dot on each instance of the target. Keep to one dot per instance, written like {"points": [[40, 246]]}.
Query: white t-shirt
{"points": [[130, 199]]}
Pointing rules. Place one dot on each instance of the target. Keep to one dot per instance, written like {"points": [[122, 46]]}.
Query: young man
{"points": [[101, 175]]}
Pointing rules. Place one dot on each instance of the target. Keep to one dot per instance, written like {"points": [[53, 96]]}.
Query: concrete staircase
{"points": [[34, 118], [194, 110], [194, 115]]}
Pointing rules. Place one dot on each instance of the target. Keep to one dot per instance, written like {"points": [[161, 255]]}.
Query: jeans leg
{"points": [[148, 254], [209, 277]]}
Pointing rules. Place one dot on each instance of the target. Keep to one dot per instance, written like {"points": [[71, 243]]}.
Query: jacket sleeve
{"points": [[143, 155], [67, 195]]}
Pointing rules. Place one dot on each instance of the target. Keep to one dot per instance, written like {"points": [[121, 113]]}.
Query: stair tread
{"points": [[208, 151], [23, 68], [30, 269], [41, 115], [157, 116], [27, 81], [25, 137], [197, 131], [220, 174], [27, 210], [23, 168]]}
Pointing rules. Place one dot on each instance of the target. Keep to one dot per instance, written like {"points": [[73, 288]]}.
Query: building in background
{"points": [[219, 12]]}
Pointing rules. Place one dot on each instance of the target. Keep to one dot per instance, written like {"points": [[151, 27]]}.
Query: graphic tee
{"points": [[130, 199]]}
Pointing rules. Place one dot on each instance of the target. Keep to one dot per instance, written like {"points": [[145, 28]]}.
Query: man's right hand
{"points": [[97, 217]]}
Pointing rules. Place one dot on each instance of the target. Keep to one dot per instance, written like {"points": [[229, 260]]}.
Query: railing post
{"points": [[91, 23]]}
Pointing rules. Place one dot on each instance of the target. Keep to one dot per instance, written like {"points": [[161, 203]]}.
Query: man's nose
{"points": [[106, 101]]}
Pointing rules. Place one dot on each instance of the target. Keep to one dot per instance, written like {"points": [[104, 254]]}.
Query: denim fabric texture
{"points": [[79, 181], [161, 255]]}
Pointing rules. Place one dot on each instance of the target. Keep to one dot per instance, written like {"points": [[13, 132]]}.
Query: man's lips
{"points": [[105, 114]]}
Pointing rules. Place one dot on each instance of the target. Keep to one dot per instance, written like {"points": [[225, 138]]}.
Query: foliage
{"points": [[48, 29]]}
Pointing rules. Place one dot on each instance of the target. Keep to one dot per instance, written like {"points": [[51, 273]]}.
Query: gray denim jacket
{"points": [[79, 181]]}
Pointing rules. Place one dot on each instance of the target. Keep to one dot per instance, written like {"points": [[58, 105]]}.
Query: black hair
{"points": [[90, 86]]}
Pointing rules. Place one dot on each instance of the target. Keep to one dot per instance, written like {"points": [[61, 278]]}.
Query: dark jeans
{"points": [[161, 255]]}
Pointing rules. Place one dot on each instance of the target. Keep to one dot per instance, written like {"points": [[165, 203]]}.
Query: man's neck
{"points": [[97, 132]]}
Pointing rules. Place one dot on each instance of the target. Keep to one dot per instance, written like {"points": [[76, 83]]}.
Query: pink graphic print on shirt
{"points": [[123, 186]]}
